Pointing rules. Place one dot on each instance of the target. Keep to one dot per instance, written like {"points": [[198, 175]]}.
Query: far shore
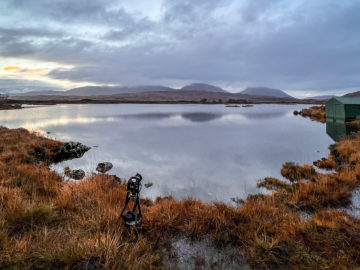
{"points": [[18, 103], [11, 106]]}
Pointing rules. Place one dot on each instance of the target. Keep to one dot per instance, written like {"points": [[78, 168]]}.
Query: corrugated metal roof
{"points": [[348, 100]]}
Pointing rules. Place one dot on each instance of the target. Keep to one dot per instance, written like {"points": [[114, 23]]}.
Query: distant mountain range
{"points": [[88, 91], [265, 91], [98, 90]]}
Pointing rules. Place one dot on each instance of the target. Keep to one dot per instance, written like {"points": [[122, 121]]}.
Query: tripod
{"points": [[133, 218]]}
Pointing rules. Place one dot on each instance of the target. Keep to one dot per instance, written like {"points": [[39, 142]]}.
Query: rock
{"points": [[76, 174], [147, 185], [104, 167], [69, 151]]}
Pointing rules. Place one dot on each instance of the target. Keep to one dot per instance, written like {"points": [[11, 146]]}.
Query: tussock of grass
{"points": [[294, 172], [47, 223], [315, 113], [275, 184], [325, 163]]}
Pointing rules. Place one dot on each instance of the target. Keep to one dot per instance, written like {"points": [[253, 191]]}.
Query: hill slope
{"points": [[203, 87], [354, 94], [101, 90], [98, 91], [326, 97], [265, 91]]}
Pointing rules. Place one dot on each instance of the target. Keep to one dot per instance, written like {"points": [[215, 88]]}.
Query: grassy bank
{"points": [[315, 113], [6, 106], [48, 223]]}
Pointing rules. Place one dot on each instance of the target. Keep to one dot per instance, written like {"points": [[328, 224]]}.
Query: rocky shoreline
{"points": [[49, 223]]}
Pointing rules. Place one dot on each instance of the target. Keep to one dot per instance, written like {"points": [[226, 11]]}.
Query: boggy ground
{"points": [[49, 223]]}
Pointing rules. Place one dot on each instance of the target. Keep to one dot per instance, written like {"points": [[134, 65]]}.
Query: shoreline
{"points": [[18, 103], [267, 228], [10, 106]]}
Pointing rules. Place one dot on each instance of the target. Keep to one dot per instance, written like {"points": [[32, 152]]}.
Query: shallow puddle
{"points": [[203, 254]]}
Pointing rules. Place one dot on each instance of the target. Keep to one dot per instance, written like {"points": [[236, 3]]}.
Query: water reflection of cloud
{"points": [[212, 153], [63, 122]]}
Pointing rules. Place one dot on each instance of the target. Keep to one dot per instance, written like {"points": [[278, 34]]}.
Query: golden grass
{"points": [[316, 113], [48, 223]]}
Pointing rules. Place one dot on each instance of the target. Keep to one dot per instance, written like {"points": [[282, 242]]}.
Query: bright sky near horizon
{"points": [[304, 47]]}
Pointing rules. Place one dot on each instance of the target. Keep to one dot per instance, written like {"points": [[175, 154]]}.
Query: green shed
{"points": [[342, 109]]}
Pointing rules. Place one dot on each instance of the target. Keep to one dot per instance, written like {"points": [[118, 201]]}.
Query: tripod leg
{"points": [[137, 213], [126, 204]]}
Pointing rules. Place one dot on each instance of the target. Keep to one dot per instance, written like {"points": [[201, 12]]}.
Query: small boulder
{"points": [[147, 185], [76, 174], [104, 167]]}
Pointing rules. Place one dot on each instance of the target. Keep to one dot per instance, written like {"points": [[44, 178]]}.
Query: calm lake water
{"points": [[209, 152]]}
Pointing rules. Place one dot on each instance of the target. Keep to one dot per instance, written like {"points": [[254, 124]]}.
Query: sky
{"points": [[304, 47]]}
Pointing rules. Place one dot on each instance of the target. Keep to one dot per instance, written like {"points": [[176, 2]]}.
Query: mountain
{"points": [[326, 97], [354, 94], [171, 96], [203, 87], [265, 91], [108, 90], [99, 91], [41, 93]]}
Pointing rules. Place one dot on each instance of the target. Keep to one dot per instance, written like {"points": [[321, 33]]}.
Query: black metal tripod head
{"points": [[134, 184]]}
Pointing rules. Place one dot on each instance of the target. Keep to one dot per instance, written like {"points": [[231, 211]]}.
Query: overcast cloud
{"points": [[303, 45]]}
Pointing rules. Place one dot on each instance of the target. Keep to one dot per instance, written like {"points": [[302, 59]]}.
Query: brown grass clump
{"points": [[47, 223], [275, 184], [325, 163], [294, 172], [315, 113]]}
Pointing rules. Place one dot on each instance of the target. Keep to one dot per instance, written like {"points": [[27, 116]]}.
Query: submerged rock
{"points": [[147, 185], [104, 167], [69, 151], [76, 174]]}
